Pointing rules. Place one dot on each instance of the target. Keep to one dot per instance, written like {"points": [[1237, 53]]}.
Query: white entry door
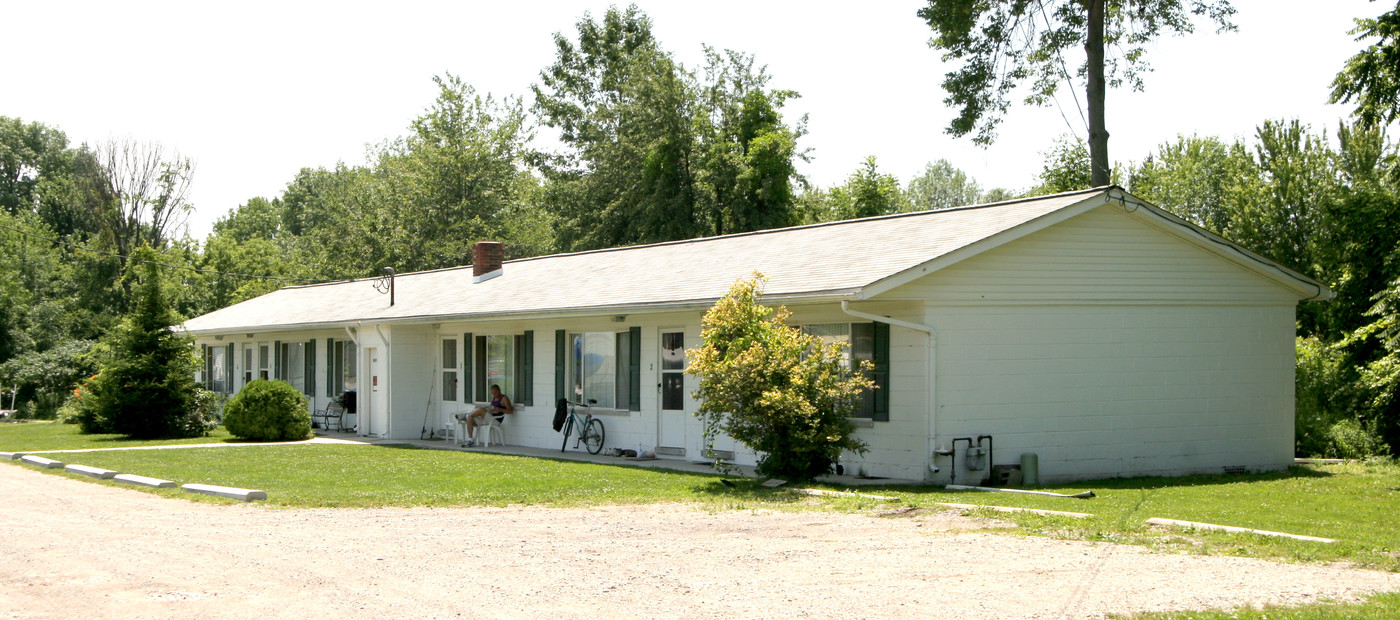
{"points": [[374, 402], [451, 393], [670, 385]]}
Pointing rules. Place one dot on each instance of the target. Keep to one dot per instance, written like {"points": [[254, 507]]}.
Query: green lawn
{"points": [[36, 436], [329, 475], [1378, 607], [1353, 503]]}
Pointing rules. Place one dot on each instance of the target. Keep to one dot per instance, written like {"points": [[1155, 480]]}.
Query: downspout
{"points": [[931, 358], [388, 385]]}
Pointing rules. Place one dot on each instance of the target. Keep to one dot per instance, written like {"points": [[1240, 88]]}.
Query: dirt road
{"points": [[71, 549]]}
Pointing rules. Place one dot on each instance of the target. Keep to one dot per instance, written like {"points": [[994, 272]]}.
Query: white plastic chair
{"points": [[449, 434], [489, 425]]}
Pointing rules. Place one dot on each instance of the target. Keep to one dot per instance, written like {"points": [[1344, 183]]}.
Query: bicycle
{"points": [[589, 429]]}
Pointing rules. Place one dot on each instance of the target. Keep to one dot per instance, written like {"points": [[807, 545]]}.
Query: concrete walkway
{"points": [[604, 459], [221, 444]]}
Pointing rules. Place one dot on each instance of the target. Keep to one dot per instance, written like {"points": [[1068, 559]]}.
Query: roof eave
{"points": [[543, 314]]}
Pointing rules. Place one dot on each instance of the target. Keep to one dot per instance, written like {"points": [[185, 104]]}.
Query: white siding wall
{"points": [[413, 375], [1101, 255]]}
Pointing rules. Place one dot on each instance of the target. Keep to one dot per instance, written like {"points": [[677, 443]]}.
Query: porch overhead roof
{"points": [[822, 261]]}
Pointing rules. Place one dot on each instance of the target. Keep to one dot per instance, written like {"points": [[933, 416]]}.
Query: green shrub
{"points": [[268, 411], [1328, 392], [775, 389], [1349, 439], [85, 409], [46, 378]]}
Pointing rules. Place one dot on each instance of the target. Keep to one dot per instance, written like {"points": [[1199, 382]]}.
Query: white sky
{"points": [[255, 91]]}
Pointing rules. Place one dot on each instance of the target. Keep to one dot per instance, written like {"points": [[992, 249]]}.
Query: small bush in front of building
{"points": [[771, 387], [268, 411]]}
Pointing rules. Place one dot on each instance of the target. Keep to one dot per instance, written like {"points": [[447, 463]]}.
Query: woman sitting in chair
{"points": [[499, 407]]}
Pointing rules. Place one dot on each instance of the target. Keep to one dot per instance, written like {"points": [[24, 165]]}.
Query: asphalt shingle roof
{"points": [[819, 260]]}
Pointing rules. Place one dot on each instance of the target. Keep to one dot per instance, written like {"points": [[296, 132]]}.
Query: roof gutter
{"points": [[931, 359], [558, 313]]}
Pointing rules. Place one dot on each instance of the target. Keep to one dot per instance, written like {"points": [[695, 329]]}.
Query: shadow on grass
{"points": [[120, 439], [745, 489]]}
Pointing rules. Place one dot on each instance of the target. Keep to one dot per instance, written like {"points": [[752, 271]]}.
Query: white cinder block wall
{"points": [[1110, 347], [1116, 390]]}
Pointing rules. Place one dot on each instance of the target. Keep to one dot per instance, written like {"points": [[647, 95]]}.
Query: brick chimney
{"points": [[486, 260]]}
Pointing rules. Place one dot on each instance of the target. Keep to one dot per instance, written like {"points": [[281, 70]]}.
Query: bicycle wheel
{"points": [[593, 436], [568, 426]]}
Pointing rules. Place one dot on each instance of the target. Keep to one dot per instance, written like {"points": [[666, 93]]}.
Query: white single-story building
{"points": [[1098, 332]]}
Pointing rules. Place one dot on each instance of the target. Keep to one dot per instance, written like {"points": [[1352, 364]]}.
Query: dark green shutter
{"points": [[310, 358], [518, 368], [881, 411], [862, 349], [337, 382], [468, 376], [208, 365], [527, 371], [634, 368], [279, 359], [330, 367], [228, 369], [481, 369], [560, 350]]}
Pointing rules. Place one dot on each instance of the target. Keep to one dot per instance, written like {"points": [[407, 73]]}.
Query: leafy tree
{"points": [[1295, 181], [147, 388], [773, 388], [747, 169], [942, 185], [1066, 168], [30, 153], [1009, 42], [1372, 76], [1359, 238], [868, 192], [455, 177], [623, 109], [998, 194], [1195, 178], [259, 218], [654, 153]]}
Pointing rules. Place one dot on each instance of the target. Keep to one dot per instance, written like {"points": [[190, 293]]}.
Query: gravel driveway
{"points": [[72, 549]]}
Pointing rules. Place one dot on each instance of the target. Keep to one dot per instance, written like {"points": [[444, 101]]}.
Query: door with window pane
{"points": [[671, 420], [264, 361], [249, 370], [449, 389]]}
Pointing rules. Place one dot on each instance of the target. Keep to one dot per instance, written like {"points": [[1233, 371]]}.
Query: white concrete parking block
{"points": [[95, 472], [144, 481], [1233, 529], [10, 456], [41, 462], [242, 495]]}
